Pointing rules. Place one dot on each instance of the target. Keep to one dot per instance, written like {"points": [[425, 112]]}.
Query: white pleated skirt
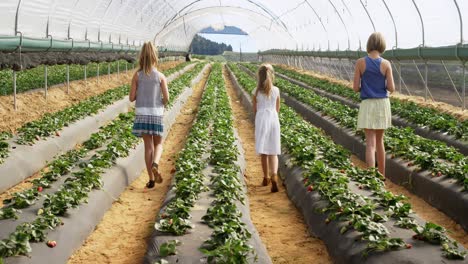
{"points": [[374, 114]]}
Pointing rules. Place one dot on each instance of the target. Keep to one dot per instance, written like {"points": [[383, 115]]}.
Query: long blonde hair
{"points": [[148, 58], [266, 77]]}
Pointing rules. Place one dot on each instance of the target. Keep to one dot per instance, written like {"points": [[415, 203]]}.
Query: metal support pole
{"points": [[464, 85], [14, 91], [425, 80], [400, 79], [454, 86], [85, 75], [45, 80], [108, 70], [98, 73], [68, 79], [126, 67], [118, 68]]}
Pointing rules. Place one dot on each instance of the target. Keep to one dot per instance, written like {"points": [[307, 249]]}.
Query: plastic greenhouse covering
{"points": [[292, 24]]}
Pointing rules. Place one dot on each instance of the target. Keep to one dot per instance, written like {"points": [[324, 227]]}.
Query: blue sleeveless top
{"points": [[373, 82]]}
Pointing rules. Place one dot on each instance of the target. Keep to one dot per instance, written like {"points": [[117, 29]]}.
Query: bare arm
{"points": [[164, 89], [133, 89], [254, 103], [389, 77], [278, 103], [357, 76]]}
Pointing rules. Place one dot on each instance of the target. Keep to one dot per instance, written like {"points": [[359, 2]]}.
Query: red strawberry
{"points": [[51, 243], [171, 221], [439, 174], [310, 188], [342, 171], [340, 210], [410, 164], [408, 246], [57, 133], [38, 137], [392, 156], [360, 187], [327, 221], [39, 189]]}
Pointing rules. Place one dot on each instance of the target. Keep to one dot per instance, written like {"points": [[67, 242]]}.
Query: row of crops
{"points": [[417, 114], [355, 198], [426, 154], [51, 123], [212, 134], [68, 180], [57, 74]]}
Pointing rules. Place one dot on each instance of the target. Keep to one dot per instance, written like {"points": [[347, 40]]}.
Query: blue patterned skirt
{"points": [[148, 124]]}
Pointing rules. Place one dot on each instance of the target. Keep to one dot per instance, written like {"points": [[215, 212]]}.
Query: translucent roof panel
{"points": [[292, 24]]}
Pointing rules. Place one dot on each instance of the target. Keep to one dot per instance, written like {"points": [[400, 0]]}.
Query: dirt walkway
{"points": [[122, 235], [33, 105], [280, 224], [423, 209]]}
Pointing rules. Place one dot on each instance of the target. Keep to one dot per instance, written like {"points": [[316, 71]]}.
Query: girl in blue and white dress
{"points": [[149, 90], [266, 104]]}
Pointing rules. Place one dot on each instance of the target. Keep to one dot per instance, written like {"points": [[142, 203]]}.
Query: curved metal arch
{"points": [[158, 34], [321, 22], [394, 24], [368, 15], [422, 23], [213, 7], [273, 16], [461, 20], [17, 17], [342, 21]]}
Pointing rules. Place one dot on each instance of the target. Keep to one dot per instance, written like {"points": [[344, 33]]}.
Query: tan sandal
{"points": [[157, 174]]}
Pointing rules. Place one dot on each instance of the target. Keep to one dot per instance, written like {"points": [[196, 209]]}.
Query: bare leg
{"points": [[265, 169], [273, 162], [158, 148], [380, 148], [370, 147], [149, 154]]}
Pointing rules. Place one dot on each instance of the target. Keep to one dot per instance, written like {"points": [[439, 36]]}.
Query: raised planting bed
{"points": [[431, 170], [205, 217], [426, 122], [347, 207], [114, 161], [59, 132]]}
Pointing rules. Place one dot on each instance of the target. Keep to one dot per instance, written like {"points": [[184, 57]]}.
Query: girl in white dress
{"points": [[266, 106]]}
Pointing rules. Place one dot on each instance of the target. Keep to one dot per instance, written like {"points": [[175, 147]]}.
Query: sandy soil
{"points": [[423, 209], [439, 106], [122, 235], [280, 224], [33, 105]]}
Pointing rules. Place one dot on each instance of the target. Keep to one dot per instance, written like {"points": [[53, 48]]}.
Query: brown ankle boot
{"points": [[274, 185]]}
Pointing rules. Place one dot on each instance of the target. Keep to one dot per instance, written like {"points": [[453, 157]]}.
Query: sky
{"points": [[248, 43]]}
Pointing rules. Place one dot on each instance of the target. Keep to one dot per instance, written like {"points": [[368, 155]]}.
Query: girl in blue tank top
{"points": [[373, 78]]}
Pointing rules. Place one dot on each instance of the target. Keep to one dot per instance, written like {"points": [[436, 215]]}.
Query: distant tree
{"points": [[203, 46]]}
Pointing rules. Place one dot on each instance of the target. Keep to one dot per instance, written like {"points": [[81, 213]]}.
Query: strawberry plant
{"points": [[169, 248], [431, 155], [417, 114], [332, 179], [229, 240], [189, 164]]}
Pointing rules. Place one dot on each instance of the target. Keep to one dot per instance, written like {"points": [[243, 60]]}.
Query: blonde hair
{"points": [[266, 77], [376, 42], [148, 58]]}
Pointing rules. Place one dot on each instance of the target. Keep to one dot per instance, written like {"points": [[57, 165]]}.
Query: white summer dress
{"points": [[267, 126]]}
